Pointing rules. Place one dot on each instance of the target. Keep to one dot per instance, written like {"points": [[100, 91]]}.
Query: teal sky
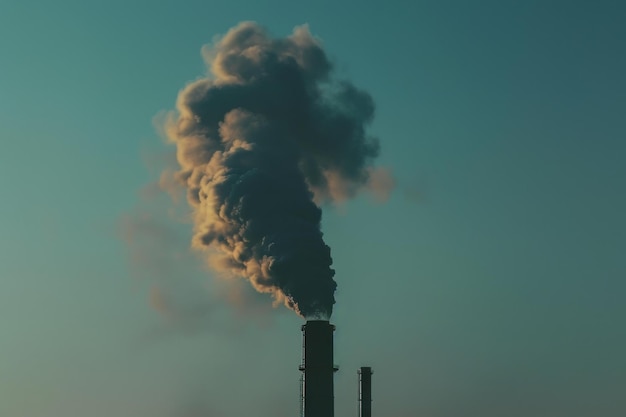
{"points": [[490, 284]]}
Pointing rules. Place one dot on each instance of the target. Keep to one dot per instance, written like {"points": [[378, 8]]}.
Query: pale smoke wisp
{"points": [[261, 142]]}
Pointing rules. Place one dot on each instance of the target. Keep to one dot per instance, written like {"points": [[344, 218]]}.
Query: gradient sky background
{"points": [[490, 284]]}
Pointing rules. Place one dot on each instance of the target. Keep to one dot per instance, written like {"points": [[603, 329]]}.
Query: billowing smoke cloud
{"points": [[265, 139]]}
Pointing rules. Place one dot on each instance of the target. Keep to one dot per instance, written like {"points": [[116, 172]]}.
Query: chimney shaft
{"points": [[318, 368], [365, 391]]}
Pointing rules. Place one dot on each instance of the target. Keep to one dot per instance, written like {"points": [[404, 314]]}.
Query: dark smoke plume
{"points": [[261, 142]]}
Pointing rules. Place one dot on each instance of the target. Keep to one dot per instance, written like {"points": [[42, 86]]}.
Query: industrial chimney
{"points": [[365, 391], [317, 368]]}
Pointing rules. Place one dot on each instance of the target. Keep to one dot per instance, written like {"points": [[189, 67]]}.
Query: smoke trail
{"points": [[261, 141]]}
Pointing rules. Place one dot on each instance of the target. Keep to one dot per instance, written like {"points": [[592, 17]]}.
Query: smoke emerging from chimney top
{"points": [[262, 142]]}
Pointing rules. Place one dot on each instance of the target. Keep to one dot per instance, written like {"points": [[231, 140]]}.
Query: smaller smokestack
{"points": [[365, 391]]}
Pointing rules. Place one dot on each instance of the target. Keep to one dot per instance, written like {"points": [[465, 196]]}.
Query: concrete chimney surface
{"points": [[365, 391], [318, 368]]}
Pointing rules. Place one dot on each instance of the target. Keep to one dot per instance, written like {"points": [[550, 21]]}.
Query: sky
{"points": [[489, 283]]}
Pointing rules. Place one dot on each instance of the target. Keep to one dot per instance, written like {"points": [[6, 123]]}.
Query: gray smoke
{"points": [[262, 141]]}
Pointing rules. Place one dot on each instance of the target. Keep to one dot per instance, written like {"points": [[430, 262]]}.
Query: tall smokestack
{"points": [[365, 391], [318, 368]]}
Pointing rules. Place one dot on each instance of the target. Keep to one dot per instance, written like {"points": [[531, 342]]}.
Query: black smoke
{"points": [[262, 142]]}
